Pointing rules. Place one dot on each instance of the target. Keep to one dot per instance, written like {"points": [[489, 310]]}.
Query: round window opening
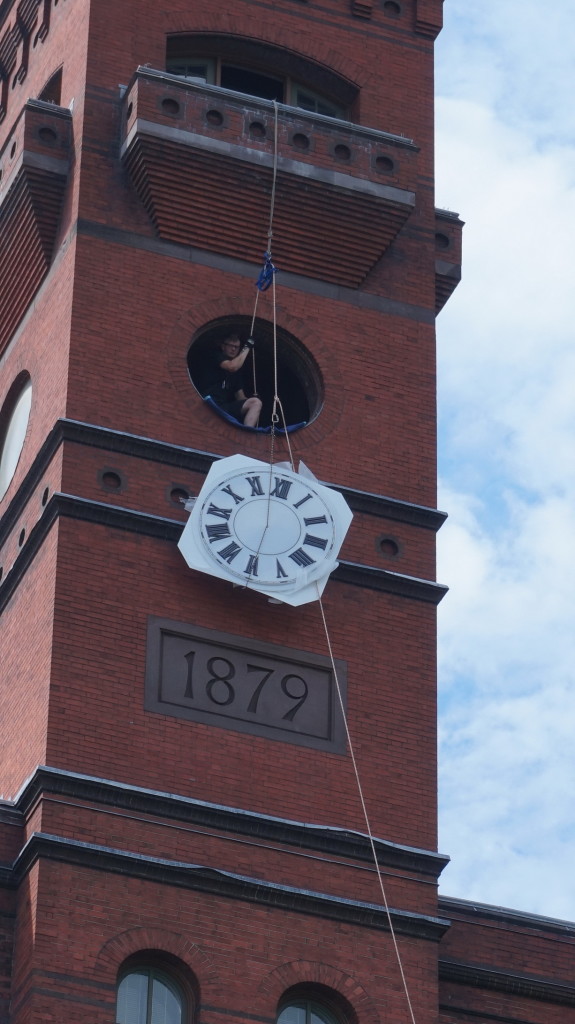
{"points": [[13, 425], [299, 383]]}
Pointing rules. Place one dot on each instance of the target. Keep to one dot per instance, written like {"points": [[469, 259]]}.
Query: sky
{"points": [[505, 136]]}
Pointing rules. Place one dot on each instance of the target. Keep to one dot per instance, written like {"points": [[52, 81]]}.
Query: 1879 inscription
{"points": [[224, 680]]}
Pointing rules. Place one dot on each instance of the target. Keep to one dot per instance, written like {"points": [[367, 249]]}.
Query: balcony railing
{"points": [[201, 159]]}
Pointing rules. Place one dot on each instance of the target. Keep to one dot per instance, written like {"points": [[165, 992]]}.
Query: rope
{"points": [[271, 270], [275, 173], [268, 272], [268, 277], [255, 383], [364, 808], [277, 401]]}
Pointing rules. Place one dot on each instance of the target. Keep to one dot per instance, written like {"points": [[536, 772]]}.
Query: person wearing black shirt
{"points": [[223, 380]]}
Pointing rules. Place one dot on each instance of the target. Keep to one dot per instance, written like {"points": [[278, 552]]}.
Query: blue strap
{"points": [[255, 430], [266, 273]]}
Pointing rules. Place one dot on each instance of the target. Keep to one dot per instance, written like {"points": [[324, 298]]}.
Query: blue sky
{"points": [[506, 162]]}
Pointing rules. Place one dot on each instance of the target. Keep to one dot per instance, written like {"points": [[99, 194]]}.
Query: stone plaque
{"points": [[272, 691]]}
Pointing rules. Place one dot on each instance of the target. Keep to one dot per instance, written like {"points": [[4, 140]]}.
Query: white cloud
{"points": [[506, 161]]}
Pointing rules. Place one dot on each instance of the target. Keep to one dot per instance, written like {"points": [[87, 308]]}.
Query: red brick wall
{"points": [[243, 961], [515, 966], [98, 677]]}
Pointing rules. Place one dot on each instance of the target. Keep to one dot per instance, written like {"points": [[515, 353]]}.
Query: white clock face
{"points": [[267, 526]]}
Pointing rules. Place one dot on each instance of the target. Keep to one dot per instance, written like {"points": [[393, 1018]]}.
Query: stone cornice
{"points": [[161, 528], [322, 838], [469, 911], [192, 459], [204, 879], [512, 983]]}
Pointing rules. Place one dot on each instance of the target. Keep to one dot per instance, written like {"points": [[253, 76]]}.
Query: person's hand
{"points": [[250, 343]]}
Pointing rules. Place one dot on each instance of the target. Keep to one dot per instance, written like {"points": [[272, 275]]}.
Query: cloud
{"points": [[506, 162], [514, 56], [507, 671]]}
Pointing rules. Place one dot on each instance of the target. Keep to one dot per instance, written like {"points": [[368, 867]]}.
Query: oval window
{"points": [[14, 434]]}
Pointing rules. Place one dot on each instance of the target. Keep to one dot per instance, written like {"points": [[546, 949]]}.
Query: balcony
{"points": [[201, 159], [34, 166]]}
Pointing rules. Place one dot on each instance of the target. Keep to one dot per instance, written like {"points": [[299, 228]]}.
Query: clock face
{"points": [[267, 528]]}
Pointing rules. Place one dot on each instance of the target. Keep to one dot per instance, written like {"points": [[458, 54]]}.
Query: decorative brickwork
{"points": [[204, 182], [34, 164], [300, 972], [28, 25], [362, 8], [136, 940], [429, 17]]}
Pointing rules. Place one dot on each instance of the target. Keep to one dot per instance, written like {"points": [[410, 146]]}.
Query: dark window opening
{"points": [[190, 69], [255, 83], [261, 69], [298, 376], [52, 91], [314, 1004]]}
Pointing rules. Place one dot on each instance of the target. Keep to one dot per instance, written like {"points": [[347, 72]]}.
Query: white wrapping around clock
{"points": [[267, 528]]}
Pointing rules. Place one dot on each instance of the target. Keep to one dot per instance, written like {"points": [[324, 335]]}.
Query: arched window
{"points": [[262, 70], [306, 1012], [13, 426], [150, 996], [314, 1004], [52, 91]]}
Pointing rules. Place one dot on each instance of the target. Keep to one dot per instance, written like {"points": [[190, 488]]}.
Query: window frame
{"points": [[291, 83], [14, 425], [330, 1003], [323, 1013], [170, 975]]}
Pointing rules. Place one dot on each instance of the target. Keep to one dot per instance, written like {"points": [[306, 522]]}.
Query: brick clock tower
{"points": [[181, 830]]}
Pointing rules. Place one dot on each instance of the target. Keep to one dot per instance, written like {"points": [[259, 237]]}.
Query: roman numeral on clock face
{"points": [[228, 490], [281, 488], [301, 557], [315, 542], [302, 500], [222, 513], [314, 520], [255, 484], [251, 568], [217, 531], [228, 554]]}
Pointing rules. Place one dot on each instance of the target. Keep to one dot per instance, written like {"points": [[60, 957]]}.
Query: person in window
{"points": [[223, 379]]}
